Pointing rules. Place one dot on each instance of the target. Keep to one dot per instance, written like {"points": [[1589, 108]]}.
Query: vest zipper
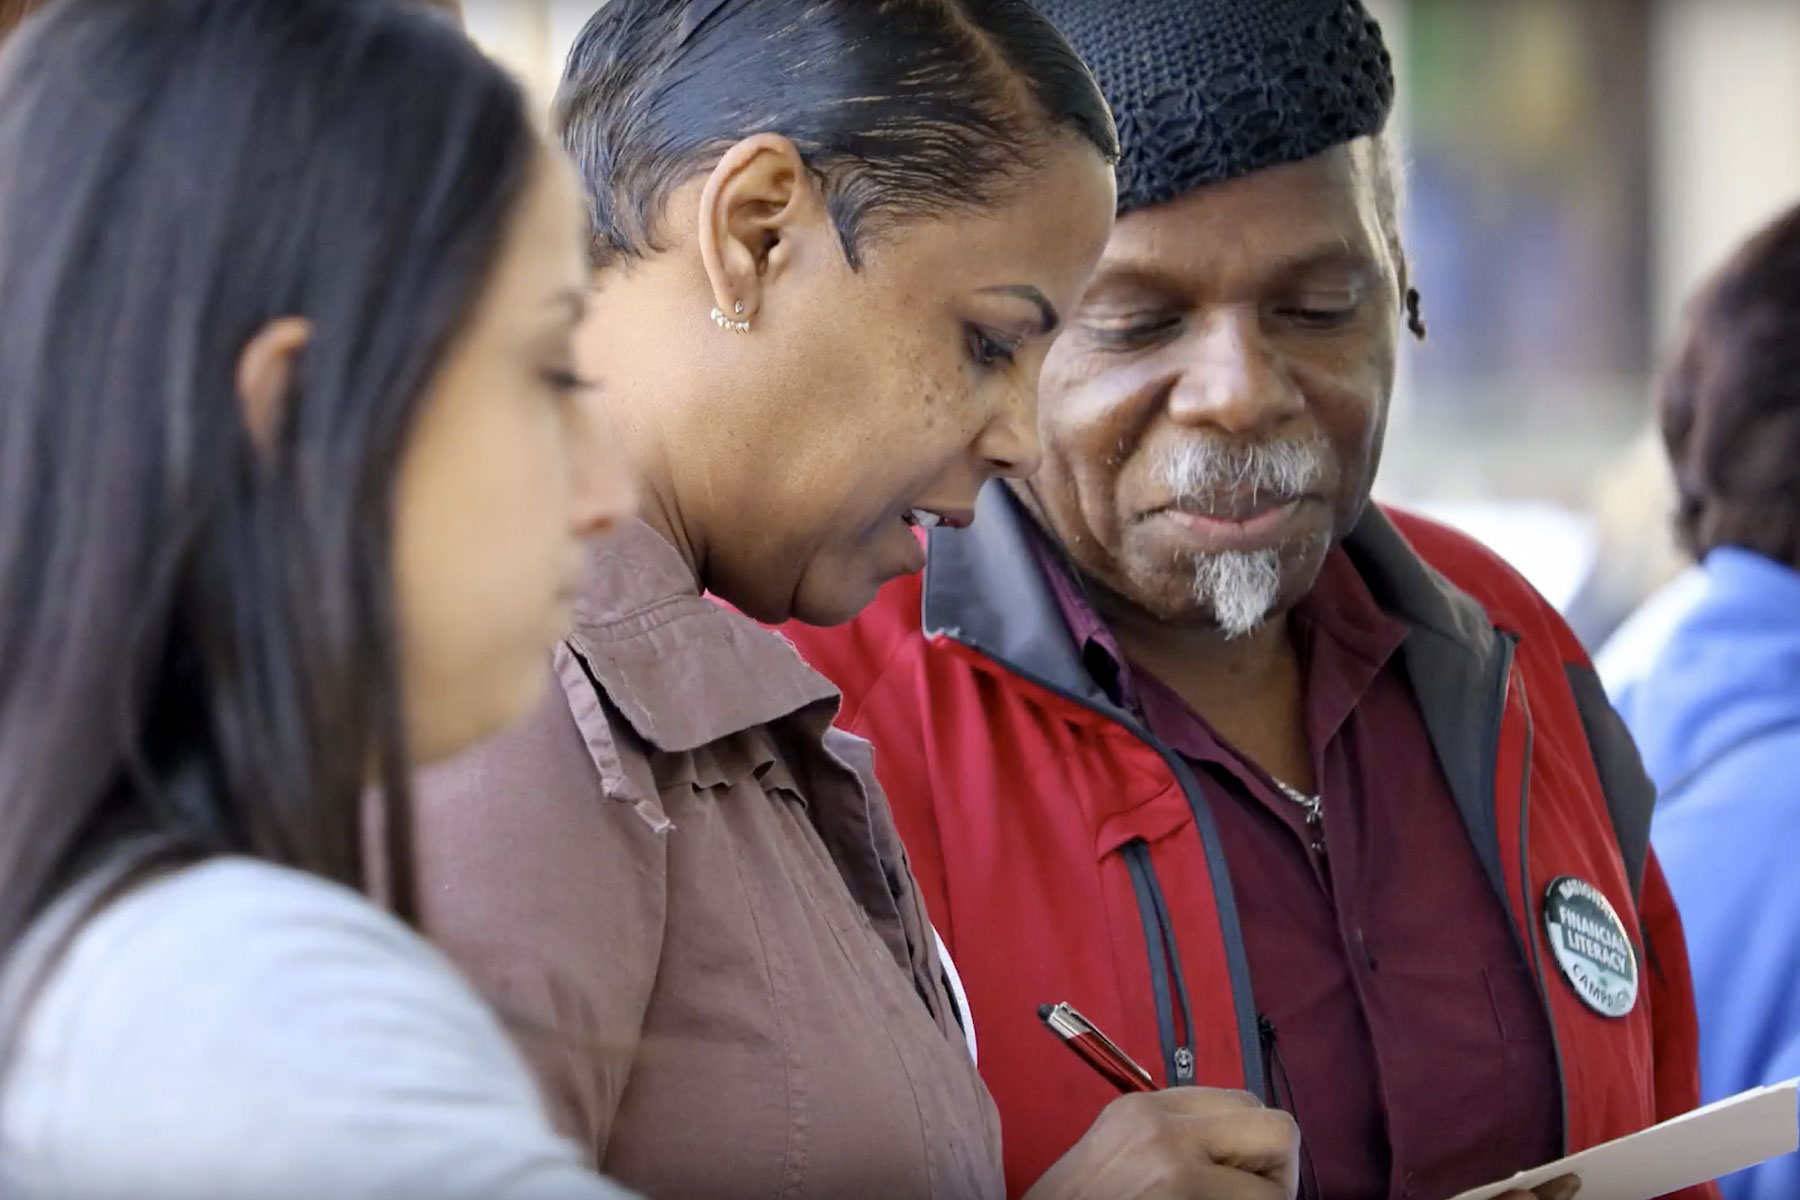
{"points": [[1165, 965], [1237, 963]]}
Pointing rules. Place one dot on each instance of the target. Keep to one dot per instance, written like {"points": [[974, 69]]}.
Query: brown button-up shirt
{"points": [[1409, 1039], [683, 890]]}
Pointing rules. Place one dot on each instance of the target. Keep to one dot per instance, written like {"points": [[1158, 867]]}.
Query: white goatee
{"points": [[1240, 588]]}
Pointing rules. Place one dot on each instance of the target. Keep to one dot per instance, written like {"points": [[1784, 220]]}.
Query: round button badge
{"points": [[1591, 946]]}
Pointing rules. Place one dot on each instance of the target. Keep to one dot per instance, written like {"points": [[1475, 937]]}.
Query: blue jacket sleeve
{"points": [[1726, 842]]}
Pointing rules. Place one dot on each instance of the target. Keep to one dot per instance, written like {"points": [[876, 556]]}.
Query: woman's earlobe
{"points": [[266, 369], [732, 324], [751, 208]]}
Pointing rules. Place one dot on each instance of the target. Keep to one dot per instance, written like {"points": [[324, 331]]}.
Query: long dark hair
{"points": [[902, 108], [197, 642]]}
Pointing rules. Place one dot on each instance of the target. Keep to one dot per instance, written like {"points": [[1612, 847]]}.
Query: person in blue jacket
{"points": [[1708, 676]]}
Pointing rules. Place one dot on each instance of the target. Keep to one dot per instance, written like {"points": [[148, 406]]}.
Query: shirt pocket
{"points": [[723, 766], [797, 835]]}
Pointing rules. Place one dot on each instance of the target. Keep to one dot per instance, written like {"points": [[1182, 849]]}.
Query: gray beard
{"points": [[1240, 588]]}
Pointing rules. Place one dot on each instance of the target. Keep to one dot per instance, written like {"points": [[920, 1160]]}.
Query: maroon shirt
{"points": [[1410, 1042]]}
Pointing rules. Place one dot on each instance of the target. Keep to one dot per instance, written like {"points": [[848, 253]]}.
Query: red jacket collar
{"points": [[983, 589]]}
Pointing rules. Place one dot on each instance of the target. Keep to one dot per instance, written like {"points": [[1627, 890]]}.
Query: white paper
{"points": [[1740, 1131]]}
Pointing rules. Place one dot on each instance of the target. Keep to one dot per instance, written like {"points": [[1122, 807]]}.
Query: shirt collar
{"points": [[682, 670], [1344, 635]]}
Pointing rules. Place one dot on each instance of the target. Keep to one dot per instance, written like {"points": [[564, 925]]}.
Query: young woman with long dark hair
{"points": [[288, 503]]}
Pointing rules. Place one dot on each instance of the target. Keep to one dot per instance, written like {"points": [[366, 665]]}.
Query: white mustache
{"points": [[1203, 467]]}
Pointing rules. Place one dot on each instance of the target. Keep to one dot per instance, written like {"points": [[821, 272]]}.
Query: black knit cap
{"points": [[1208, 90]]}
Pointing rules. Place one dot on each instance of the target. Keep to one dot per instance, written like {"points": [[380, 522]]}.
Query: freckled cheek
{"points": [[913, 431], [951, 412]]}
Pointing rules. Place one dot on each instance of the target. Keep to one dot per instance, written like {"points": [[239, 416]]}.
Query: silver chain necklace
{"points": [[1313, 807], [1310, 805]]}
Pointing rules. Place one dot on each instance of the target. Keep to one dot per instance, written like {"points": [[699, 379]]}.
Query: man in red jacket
{"points": [[1282, 791]]}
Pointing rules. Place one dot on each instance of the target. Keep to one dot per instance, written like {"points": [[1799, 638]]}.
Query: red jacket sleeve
{"points": [[1676, 1028]]}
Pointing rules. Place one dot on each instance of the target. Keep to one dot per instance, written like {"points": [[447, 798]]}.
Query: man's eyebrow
{"points": [[1335, 256], [1150, 272]]}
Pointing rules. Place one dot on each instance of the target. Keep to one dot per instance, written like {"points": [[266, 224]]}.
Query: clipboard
{"points": [[1740, 1131]]}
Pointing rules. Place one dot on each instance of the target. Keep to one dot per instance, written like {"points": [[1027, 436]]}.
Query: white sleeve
{"points": [[240, 1030]]}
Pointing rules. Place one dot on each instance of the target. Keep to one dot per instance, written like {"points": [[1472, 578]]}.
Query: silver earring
{"points": [[726, 323]]}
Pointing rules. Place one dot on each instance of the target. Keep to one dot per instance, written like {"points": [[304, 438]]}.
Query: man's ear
{"points": [[265, 378], [760, 212], [1411, 303]]}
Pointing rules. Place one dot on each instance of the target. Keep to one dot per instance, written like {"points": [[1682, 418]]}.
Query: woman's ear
{"points": [[265, 378], [758, 209]]}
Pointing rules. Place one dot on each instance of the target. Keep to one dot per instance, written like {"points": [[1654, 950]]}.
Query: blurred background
{"points": [[1576, 167]]}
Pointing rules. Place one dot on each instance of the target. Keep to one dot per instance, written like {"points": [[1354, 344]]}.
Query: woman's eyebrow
{"points": [[1049, 319]]}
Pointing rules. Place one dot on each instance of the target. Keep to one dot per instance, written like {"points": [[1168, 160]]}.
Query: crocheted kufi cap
{"points": [[1209, 90]]}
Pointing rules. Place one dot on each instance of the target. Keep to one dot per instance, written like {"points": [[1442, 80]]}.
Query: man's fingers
{"points": [[1557, 1189]]}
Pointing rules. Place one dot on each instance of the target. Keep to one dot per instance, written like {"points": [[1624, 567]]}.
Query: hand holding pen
{"points": [[1224, 1144], [1189, 1143]]}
